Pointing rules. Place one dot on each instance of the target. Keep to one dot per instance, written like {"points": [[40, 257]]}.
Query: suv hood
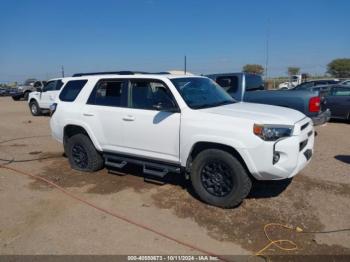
{"points": [[259, 113]]}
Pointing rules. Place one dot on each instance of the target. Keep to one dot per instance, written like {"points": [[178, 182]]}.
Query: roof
{"points": [[136, 76]]}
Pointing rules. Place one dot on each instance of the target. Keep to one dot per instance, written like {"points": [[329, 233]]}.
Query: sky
{"points": [[39, 36]]}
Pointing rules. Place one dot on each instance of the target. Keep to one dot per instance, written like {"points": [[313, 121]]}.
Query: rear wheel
{"points": [[34, 108], [82, 154], [219, 178]]}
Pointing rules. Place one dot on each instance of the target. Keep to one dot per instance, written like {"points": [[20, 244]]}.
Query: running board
{"points": [[150, 167]]}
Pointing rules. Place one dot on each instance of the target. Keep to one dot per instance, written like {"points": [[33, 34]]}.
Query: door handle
{"points": [[88, 114], [128, 118]]}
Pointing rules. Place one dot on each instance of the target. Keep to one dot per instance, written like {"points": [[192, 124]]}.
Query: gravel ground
{"points": [[37, 219]]}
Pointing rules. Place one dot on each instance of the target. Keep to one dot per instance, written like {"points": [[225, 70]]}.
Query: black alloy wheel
{"points": [[80, 156], [217, 179]]}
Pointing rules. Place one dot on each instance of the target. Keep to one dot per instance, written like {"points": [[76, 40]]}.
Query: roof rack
{"points": [[120, 73]]}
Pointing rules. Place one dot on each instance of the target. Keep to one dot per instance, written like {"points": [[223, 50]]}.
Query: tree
{"points": [[292, 70], [339, 68], [254, 69]]}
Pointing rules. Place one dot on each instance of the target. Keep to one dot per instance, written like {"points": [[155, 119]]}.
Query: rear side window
{"points": [[59, 84], [254, 82], [71, 90], [229, 83], [341, 91], [108, 93]]}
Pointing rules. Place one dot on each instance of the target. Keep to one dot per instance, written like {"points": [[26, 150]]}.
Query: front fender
{"points": [[238, 146]]}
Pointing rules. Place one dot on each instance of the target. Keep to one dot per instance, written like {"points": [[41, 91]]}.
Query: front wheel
{"points": [[82, 154], [34, 108], [219, 178]]}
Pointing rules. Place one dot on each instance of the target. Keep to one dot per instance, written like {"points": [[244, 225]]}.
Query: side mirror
{"points": [[39, 89]]}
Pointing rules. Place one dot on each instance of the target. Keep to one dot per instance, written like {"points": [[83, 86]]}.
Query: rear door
{"points": [[104, 111], [150, 123]]}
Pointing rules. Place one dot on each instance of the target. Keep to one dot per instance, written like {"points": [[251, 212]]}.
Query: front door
{"points": [[151, 122]]}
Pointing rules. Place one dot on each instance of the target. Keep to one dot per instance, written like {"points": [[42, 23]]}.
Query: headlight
{"points": [[272, 132]]}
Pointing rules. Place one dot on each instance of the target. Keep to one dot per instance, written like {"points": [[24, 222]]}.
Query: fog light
{"points": [[276, 157]]}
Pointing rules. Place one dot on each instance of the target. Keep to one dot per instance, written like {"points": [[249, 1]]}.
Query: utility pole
{"points": [[185, 65], [62, 71], [267, 48]]}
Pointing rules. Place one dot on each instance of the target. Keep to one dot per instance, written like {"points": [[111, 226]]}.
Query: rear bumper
{"points": [[321, 118]]}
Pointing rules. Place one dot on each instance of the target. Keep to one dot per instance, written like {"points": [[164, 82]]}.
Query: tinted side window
{"points": [[108, 93], [146, 94], [37, 84], [305, 85], [71, 90], [341, 91], [59, 84], [229, 83], [254, 82], [50, 86]]}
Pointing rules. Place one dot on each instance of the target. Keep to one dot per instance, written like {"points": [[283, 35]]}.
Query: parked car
{"points": [[29, 86], [3, 91], [294, 80], [40, 101], [310, 84], [345, 82], [180, 125], [250, 88], [339, 101], [7, 91]]}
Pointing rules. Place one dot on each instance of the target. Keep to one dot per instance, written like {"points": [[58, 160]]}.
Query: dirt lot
{"points": [[37, 219]]}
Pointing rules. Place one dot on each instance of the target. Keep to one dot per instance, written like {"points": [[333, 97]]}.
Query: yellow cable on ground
{"points": [[282, 244]]}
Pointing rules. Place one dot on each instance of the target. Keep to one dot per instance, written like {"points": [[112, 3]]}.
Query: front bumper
{"points": [[295, 153], [321, 118], [17, 95]]}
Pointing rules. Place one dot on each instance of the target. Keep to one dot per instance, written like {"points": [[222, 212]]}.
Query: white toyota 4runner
{"points": [[40, 100], [179, 124]]}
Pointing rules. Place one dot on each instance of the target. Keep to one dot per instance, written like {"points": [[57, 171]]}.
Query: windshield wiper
{"points": [[226, 102]]}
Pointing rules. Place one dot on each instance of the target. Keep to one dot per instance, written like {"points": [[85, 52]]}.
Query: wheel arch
{"points": [[70, 130], [31, 100], [203, 145]]}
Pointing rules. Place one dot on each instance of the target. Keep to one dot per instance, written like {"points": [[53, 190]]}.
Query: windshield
{"points": [[201, 92]]}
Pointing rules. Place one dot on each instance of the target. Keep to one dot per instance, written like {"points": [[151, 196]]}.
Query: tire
{"points": [[82, 154], [219, 178], [16, 98], [34, 108], [25, 96]]}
